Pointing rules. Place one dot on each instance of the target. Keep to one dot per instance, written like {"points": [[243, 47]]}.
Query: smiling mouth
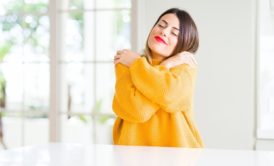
{"points": [[159, 39]]}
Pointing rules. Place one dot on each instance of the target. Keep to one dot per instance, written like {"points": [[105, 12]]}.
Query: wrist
{"points": [[133, 60]]}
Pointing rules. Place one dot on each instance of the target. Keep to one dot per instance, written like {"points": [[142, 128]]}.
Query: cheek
{"points": [[151, 41], [173, 43], [151, 34]]}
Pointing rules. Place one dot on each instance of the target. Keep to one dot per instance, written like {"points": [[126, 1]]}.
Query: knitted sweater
{"points": [[154, 105]]}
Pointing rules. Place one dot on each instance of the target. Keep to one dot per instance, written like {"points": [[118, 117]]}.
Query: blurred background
{"points": [[57, 74]]}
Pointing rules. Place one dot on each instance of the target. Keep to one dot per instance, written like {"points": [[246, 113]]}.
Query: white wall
{"points": [[225, 93]]}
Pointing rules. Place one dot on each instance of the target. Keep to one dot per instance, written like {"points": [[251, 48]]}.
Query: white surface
{"points": [[225, 90], [265, 144], [109, 155]]}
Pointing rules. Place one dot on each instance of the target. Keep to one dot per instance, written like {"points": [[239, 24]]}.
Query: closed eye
{"points": [[173, 33], [161, 26]]}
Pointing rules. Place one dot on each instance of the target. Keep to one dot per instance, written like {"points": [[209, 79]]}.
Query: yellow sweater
{"points": [[154, 105]]}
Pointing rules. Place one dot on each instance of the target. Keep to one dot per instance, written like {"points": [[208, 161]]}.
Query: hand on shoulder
{"points": [[179, 59], [125, 57]]}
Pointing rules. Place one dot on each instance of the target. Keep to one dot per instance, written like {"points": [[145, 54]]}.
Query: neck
{"points": [[157, 57]]}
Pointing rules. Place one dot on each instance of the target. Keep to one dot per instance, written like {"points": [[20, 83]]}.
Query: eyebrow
{"points": [[167, 24]]}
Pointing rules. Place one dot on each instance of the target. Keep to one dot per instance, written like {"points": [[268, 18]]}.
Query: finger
{"points": [[119, 52], [187, 57], [187, 53], [191, 62], [194, 60], [190, 57], [118, 56], [116, 61], [124, 52]]}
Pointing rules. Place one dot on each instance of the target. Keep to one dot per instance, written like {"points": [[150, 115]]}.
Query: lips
{"points": [[159, 39]]}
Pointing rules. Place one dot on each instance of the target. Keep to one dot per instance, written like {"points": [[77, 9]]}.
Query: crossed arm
{"points": [[142, 89], [128, 102]]}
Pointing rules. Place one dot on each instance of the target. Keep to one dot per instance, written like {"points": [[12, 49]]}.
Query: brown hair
{"points": [[188, 39]]}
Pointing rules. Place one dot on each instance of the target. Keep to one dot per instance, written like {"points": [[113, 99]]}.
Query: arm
{"points": [[128, 103], [171, 89]]}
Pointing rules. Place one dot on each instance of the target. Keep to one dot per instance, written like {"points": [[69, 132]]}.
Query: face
{"points": [[163, 37]]}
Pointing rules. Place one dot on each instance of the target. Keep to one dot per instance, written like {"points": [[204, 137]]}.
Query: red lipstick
{"points": [[159, 39]]}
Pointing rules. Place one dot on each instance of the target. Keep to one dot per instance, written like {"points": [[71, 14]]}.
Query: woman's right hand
{"points": [[125, 57], [180, 58]]}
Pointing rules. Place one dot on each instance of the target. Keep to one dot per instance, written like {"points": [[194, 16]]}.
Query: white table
{"points": [[61, 154]]}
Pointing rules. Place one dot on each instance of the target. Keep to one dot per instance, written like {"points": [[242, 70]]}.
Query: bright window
{"points": [[88, 33]]}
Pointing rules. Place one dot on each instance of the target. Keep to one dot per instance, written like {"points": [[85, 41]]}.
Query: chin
{"points": [[159, 51], [162, 54]]}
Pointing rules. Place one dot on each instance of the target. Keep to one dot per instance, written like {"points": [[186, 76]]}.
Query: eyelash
{"points": [[174, 34], [162, 26]]}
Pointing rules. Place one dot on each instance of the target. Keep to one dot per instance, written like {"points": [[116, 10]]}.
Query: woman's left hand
{"points": [[180, 58], [125, 57]]}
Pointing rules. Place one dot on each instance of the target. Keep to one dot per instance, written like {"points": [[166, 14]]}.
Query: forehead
{"points": [[171, 19]]}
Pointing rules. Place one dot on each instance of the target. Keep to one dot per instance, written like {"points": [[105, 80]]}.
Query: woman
{"points": [[154, 92]]}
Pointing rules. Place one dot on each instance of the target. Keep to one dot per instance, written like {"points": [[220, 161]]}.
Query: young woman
{"points": [[153, 97]]}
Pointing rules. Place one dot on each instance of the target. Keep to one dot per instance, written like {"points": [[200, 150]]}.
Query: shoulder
{"points": [[185, 66], [184, 58], [184, 69]]}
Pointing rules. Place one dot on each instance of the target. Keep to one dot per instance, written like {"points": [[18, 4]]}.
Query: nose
{"points": [[164, 32]]}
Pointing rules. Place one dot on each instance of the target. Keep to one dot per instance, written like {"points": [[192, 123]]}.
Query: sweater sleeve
{"points": [[128, 103], [171, 89]]}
